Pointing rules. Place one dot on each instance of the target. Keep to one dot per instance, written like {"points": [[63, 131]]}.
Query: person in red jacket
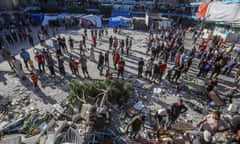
{"points": [[94, 38], [163, 67], [34, 79], [116, 58], [74, 66], [121, 65], [40, 60], [177, 58]]}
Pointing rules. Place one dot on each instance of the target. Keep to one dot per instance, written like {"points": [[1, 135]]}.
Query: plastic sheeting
{"points": [[119, 21], [219, 11], [202, 9], [124, 14], [38, 18], [96, 20], [70, 137]]}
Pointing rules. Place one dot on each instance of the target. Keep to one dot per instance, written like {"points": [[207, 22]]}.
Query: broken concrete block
{"points": [[12, 140]]}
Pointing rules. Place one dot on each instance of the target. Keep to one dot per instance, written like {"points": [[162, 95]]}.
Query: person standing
{"points": [[61, 65], [106, 59], [71, 43], [25, 56], [178, 72], [175, 111], [7, 56], [84, 40], [34, 79], [74, 66], [110, 42], [230, 65], [81, 48], [40, 60], [100, 63], [140, 67], [116, 58], [94, 39], [149, 67], [83, 62], [30, 40], [121, 65], [92, 56], [57, 47], [156, 72], [50, 63], [163, 67], [122, 46], [18, 68], [217, 68]]}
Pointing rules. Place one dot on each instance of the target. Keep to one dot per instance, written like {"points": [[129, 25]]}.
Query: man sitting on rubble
{"points": [[136, 123], [212, 124]]}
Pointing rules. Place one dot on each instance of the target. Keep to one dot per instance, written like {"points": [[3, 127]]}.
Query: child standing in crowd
{"points": [[34, 79], [30, 62]]}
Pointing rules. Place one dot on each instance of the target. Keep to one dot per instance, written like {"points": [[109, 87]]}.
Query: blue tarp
{"points": [[124, 14], [231, 1], [38, 18], [32, 8], [119, 21]]}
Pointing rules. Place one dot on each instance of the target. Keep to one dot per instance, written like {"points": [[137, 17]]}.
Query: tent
{"points": [[124, 14], [32, 8], [87, 20], [119, 21], [227, 12], [139, 23], [38, 18]]}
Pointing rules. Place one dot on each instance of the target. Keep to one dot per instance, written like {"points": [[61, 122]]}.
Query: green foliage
{"points": [[75, 9], [98, 92]]}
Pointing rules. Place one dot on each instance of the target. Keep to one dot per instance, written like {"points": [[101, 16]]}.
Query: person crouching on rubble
{"points": [[161, 118], [136, 124]]}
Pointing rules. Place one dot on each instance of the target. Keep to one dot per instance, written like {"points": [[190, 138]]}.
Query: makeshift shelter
{"points": [[155, 20], [226, 12], [139, 23], [123, 14], [37, 18], [119, 21], [91, 20]]}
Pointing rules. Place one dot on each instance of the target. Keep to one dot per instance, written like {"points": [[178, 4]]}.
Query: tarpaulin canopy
{"points": [[119, 21], [94, 19], [38, 18], [31, 8], [124, 14], [227, 12], [202, 9]]}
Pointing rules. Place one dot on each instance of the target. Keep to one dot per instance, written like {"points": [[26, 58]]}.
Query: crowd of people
{"points": [[164, 49]]}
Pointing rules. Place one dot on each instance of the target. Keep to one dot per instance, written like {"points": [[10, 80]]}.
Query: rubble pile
{"points": [[20, 122]]}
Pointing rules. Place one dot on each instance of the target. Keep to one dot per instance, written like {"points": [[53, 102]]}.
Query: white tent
{"points": [[94, 19], [117, 18], [227, 12]]}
